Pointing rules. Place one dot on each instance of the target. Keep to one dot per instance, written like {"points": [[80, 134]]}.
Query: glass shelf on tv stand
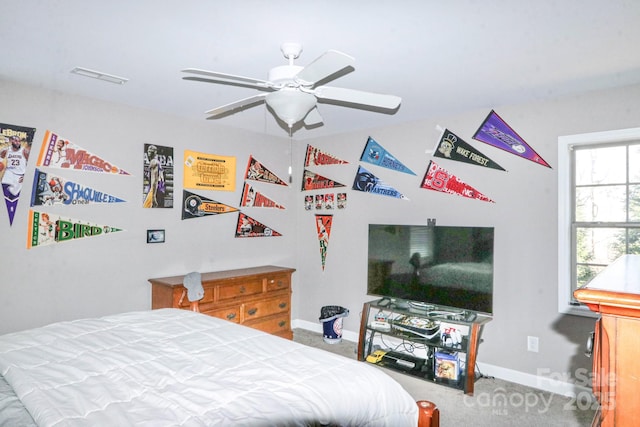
{"points": [[465, 344]]}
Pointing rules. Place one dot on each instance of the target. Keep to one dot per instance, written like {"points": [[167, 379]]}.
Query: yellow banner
{"points": [[209, 171]]}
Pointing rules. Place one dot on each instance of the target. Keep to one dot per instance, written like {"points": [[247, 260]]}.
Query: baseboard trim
{"points": [[547, 384]]}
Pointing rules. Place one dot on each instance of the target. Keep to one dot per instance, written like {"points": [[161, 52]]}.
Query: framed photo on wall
{"points": [[155, 236]]}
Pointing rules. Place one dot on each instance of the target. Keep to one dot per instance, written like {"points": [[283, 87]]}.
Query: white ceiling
{"points": [[441, 57]]}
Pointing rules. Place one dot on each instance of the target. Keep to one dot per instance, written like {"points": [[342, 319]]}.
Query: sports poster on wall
{"points": [[15, 147], [317, 157], [52, 189], [496, 132], [327, 201], [60, 153], [375, 154], [196, 206], [46, 229], [367, 182], [452, 147], [249, 227], [157, 181], [209, 171], [438, 179], [255, 199], [323, 228], [314, 181], [257, 172]]}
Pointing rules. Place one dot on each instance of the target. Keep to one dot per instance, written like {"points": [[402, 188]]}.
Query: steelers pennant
{"points": [[196, 206]]}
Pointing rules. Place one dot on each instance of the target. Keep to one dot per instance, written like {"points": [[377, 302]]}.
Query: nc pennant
{"points": [[438, 179], [451, 147], [317, 157], [257, 172], [253, 198], [313, 181], [60, 153], [249, 227], [45, 229], [50, 189], [15, 148], [323, 228], [495, 131], [196, 206], [369, 183], [375, 154]]}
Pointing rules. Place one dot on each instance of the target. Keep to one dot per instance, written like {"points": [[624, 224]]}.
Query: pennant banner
{"points": [[496, 132], [316, 157], [60, 153], [196, 206], [323, 228], [257, 172], [249, 227], [45, 229], [51, 189], [438, 179], [375, 154], [451, 147], [255, 199], [209, 171], [313, 181], [369, 183], [15, 147]]}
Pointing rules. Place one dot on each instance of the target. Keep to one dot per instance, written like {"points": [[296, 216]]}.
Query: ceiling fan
{"points": [[291, 91]]}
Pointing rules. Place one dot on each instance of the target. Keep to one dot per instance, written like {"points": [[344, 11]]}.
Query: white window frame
{"points": [[565, 200]]}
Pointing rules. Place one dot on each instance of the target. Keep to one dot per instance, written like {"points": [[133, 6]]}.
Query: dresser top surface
{"points": [[623, 275], [225, 274]]}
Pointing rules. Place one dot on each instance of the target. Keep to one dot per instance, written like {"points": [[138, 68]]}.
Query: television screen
{"points": [[441, 265]]}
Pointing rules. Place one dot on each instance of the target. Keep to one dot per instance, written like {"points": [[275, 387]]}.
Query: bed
{"points": [[174, 367]]}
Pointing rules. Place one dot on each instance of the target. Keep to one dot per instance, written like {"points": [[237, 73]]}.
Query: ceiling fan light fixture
{"points": [[290, 105]]}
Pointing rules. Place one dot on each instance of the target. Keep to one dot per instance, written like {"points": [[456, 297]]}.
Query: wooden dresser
{"points": [[615, 294], [258, 297]]}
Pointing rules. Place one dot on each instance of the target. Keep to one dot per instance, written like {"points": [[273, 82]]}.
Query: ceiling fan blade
{"points": [[241, 104], [313, 117], [213, 77], [352, 96], [324, 66]]}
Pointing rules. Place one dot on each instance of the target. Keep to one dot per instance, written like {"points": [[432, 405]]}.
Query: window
{"points": [[598, 207]]}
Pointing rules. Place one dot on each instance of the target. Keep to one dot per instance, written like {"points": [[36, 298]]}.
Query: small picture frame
{"points": [[155, 236]]}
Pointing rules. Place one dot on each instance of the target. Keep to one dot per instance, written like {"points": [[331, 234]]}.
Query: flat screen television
{"points": [[448, 266]]}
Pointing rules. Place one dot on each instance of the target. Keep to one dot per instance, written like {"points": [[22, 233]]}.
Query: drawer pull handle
{"points": [[282, 305], [231, 316], [252, 311], [282, 323]]}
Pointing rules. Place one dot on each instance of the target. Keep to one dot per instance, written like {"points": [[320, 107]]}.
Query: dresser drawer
{"points": [[240, 289], [266, 307], [231, 314], [277, 282], [278, 325]]}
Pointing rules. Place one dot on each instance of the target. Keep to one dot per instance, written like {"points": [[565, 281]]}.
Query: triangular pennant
{"points": [[317, 157], [196, 206], [50, 189], [15, 146], [60, 153], [313, 181], [375, 154], [257, 172], [249, 227], [323, 228], [496, 132], [369, 183], [451, 147], [438, 179], [253, 198], [46, 228]]}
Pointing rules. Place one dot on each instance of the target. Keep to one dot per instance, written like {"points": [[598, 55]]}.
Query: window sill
{"points": [[577, 310]]}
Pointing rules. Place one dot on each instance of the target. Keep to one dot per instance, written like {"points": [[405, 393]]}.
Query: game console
{"points": [[380, 325]]}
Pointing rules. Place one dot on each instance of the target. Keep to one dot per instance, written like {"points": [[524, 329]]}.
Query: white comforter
{"points": [[178, 368]]}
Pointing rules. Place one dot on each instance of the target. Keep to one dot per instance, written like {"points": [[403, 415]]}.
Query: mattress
{"points": [[175, 367]]}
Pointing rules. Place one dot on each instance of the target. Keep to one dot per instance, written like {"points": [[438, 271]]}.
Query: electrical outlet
{"points": [[532, 344]]}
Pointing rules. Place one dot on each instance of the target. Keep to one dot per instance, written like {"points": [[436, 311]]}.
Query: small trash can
{"points": [[331, 318]]}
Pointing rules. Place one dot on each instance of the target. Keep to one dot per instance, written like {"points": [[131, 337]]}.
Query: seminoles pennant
{"points": [[316, 157], [495, 131], [313, 181], [375, 154], [439, 179], [252, 198], [45, 229], [451, 147], [196, 206], [249, 227], [63, 154], [369, 183], [50, 189], [15, 147], [257, 172], [323, 227]]}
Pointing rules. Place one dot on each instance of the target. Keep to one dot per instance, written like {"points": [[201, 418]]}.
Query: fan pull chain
{"points": [[290, 157]]}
